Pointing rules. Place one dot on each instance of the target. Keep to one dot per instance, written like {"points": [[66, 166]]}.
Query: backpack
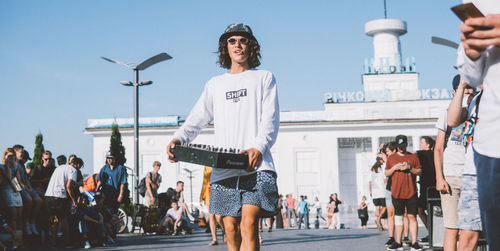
{"points": [[142, 187], [90, 183]]}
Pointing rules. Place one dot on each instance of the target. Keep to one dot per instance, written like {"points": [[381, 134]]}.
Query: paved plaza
{"points": [[281, 239]]}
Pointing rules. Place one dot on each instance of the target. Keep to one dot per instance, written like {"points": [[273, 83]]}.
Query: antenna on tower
{"points": [[385, 10]]}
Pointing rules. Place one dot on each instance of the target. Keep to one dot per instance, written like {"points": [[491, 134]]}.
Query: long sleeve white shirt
{"points": [[486, 71], [245, 112]]}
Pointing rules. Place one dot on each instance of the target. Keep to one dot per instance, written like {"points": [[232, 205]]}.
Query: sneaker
{"points": [[416, 247], [33, 229], [390, 241], [27, 228], [425, 239], [87, 245], [406, 241], [395, 246]]}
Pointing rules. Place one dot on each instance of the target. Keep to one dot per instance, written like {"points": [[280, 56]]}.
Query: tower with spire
{"points": [[386, 77]]}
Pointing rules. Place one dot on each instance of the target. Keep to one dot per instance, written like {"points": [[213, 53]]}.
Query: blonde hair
{"points": [[156, 163], [5, 153]]}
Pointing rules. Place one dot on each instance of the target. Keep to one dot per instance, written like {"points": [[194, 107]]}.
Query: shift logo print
{"points": [[236, 95]]}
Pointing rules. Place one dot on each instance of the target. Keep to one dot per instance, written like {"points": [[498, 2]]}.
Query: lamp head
{"points": [[147, 82], [126, 83]]}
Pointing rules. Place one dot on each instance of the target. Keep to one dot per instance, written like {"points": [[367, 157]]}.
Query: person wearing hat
{"points": [[403, 167], [449, 159], [113, 180], [243, 105]]}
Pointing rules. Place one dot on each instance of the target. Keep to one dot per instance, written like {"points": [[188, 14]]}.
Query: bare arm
{"points": [[69, 189], [390, 171], [148, 186], [441, 184], [122, 193], [456, 114], [370, 186]]}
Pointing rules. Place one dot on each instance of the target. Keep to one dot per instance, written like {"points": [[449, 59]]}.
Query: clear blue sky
{"points": [[53, 79]]}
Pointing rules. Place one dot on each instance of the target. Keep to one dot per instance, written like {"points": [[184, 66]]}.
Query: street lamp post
{"points": [[138, 67], [190, 184]]}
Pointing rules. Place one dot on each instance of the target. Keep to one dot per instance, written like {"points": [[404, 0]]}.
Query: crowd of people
{"points": [[445, 169], [39, 202]]}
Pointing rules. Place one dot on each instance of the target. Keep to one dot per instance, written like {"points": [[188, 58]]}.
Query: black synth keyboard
{"points": [[210, 156]]}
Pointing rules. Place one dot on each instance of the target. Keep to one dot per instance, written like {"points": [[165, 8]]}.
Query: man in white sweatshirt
{"points": [[243, 105], [479, 63]]}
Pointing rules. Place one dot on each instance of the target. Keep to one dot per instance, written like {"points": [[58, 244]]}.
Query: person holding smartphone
{"points": [[404, 167], [478, 62]]}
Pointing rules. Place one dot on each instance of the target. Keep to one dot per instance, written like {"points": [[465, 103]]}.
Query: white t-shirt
{"points": [[454, 154], [378, 185], [175, 214], [245, 112], [470, 167], [486, 71], [58, 181]]}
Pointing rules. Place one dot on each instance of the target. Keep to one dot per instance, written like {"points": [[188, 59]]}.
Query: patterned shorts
{"points": [[228, 196], [469, 217]]}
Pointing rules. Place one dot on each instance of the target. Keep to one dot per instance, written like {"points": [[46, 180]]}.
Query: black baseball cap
{"points": [[455, 82], [401, 141], [237, 29], [26, 154]]}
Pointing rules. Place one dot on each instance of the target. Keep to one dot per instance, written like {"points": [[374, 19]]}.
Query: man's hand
{"points": [[404, 166], [120, 198], [254, 158], [479, 33], [170, 145], [442, 185]]}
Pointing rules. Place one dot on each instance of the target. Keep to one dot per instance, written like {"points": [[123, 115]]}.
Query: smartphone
{"points": [[467, 10]]}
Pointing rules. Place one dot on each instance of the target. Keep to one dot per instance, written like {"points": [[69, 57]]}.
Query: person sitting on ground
{"points": [[173, 220], [91, 223], [110, 220]]}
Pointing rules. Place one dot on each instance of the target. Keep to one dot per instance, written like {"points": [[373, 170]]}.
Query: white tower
{"points": [[385, 77], [387, 49]]}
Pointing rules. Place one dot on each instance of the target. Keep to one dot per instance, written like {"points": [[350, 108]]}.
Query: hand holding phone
{"points": [[465, 11]]}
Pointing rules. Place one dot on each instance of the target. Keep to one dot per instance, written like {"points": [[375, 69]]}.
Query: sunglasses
{"points": [[242, 40]]}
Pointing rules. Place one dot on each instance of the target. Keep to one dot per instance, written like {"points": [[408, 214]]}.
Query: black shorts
{"points": [[379, 202], [409, 204], [422, 199], [57, 206]]}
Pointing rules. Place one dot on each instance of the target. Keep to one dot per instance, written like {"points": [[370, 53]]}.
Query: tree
{"points": [[39, 149], [116, 147]]}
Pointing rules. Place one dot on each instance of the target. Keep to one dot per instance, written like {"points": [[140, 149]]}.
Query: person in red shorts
{"points": [[404, 167]]}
